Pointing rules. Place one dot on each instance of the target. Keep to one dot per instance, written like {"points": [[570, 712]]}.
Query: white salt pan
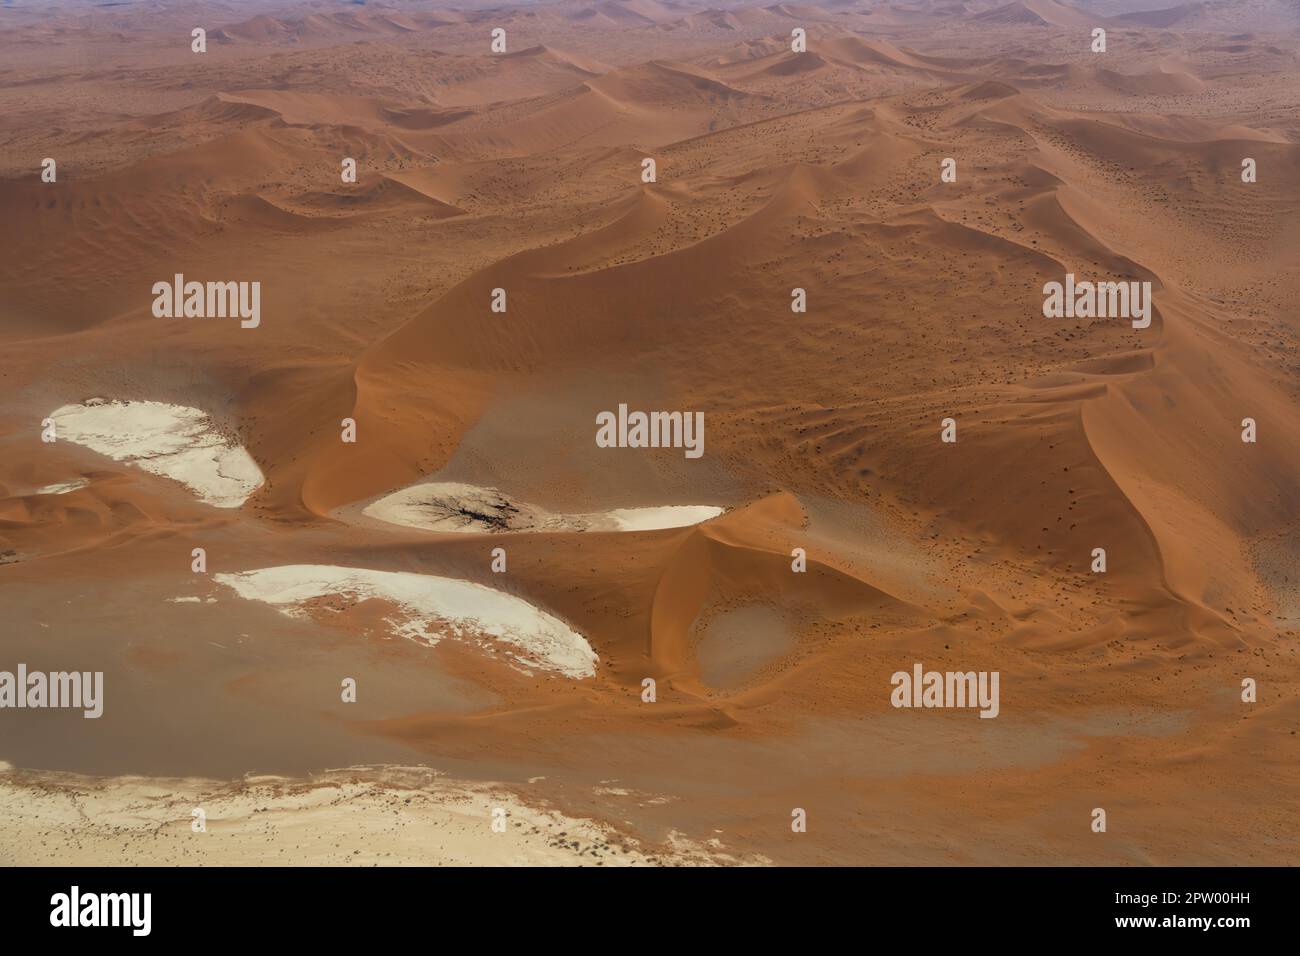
{"points": [[431, 608], [62, 487], [453, 507], [169, 440], [653, 519]]}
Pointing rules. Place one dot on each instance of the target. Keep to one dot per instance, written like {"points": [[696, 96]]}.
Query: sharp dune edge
{"points": [[522, 683]]}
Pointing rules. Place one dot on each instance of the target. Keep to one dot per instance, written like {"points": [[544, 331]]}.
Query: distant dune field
{"points": [[606, 412]]}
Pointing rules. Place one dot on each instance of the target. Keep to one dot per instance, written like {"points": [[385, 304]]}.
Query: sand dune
{"points": [[808, 271], [1016, 12], [1159, 83], [1165, 17], [333, 25]]}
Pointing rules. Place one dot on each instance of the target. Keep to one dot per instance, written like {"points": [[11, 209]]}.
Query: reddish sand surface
{"points": [[776, 170]]}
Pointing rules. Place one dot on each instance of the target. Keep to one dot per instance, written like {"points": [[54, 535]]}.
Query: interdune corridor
{"points": [[861, 432]]}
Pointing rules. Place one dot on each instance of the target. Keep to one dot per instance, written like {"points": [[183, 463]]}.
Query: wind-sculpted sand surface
{"points": [[649, 425]]}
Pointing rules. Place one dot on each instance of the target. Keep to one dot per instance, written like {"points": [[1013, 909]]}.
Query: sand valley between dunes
{"points": [[592, 429]]}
